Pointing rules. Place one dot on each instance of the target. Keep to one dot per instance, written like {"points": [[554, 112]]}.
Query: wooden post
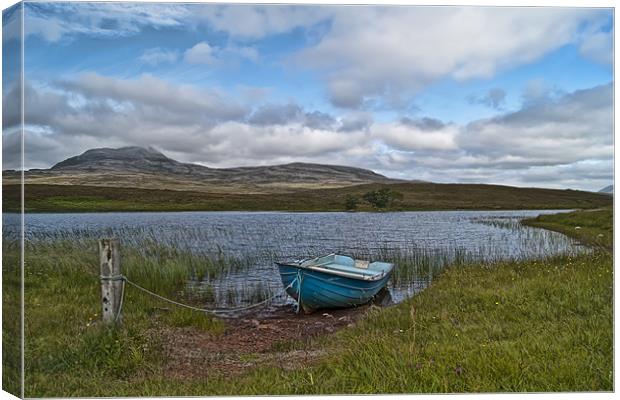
{"points": [[111, 279]]}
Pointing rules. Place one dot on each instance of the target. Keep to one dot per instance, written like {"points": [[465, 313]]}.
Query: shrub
{"points": [[382, 198]]}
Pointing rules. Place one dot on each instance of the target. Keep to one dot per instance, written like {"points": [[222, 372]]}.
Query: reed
{"points": [[488, 322]]}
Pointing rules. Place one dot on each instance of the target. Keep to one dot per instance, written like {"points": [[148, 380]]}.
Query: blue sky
{"points": [[518, 96]]}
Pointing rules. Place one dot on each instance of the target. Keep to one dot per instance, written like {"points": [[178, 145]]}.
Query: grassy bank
{"points": [[593, 227], [544, 325], [66, 344], [415, 197], [508, 327]]}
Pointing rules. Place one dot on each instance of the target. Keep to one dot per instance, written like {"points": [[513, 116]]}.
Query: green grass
{"points": [[501, 328], [11, 325], [416, 196], [594, 227], [65, 338], [544, 325]]}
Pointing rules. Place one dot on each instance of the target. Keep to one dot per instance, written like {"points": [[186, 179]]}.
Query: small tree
{"points": [[351, 202], [382, 198]]}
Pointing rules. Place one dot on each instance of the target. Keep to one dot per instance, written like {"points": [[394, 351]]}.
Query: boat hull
{"points": [[315, 290]]}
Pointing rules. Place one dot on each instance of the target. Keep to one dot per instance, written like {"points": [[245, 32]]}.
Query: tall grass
{"points": [[510, 325], [214, 269]]}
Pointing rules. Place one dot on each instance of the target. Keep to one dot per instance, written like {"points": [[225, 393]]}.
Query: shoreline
{"points": [[470, 330], [560, 210]]}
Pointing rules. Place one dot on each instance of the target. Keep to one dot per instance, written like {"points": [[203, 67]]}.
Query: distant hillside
{"points": [[415, 196], [607, 189], [147, 168]]}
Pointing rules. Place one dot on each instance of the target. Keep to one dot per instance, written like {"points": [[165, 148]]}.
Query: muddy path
{"points": [[278, 338]]}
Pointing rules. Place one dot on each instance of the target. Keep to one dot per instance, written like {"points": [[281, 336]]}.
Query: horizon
{"points": [[439, 94], [299, 162]]}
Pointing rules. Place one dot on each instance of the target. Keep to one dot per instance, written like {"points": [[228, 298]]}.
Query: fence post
{"points": [[111, 279]]}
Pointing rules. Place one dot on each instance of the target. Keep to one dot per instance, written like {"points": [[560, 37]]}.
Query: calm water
{"points": [[429, 240]]}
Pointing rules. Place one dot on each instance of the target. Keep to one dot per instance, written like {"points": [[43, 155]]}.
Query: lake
{"points": [[423, 242]]}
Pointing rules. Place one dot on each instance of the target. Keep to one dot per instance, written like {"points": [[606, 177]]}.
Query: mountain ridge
{"points": [[148, 168]]}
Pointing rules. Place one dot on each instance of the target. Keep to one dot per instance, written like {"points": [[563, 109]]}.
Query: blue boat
{"points": [[333, 281]]}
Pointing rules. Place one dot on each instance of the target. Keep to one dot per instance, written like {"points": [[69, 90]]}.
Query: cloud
{"points": [[149, 91], [11, 23], [411, 136], [425, 123], [319, 120], [249, 53], [559, 141], [250, 22], [156, 56], [204, 53], [198, 126], [355, 122], [365, 55], [55, 21], [392, 51], [201, 53], [574, 127], [276, 114], [598, 46], [494, 98]]}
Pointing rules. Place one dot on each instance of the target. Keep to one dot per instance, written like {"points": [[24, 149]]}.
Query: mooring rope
{"points": [[115, 278], [205, 310], [299, 278]]}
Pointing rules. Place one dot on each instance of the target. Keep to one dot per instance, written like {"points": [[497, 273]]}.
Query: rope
{"points": [[112, 278], [116, 278], [299, 279], [208, 311]]}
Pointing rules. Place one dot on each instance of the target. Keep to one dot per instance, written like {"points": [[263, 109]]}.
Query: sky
{"points": [[497, 95]]}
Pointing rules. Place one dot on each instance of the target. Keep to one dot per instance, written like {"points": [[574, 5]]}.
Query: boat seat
{"points": [[344, 260], [363, 264]]}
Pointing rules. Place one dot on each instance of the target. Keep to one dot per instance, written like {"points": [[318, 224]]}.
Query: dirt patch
{"points": [[279, 338]]}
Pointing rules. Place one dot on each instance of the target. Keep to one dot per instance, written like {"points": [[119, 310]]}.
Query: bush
{"points": [[382, 198], [351, 202]]}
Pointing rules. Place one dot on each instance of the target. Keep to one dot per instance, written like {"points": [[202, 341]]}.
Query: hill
{"points": [[415, 197], [146, 168], [143, 179], [607, 189]]}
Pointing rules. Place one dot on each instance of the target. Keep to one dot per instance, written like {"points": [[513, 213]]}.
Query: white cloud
{"points": [[257, 21], [248, 53], [574, 127], [364, 54], [559, 142], [409, 137], [394, 50], [156, 56], [150, 91], [204, 53], [598, 46], [201, 53], [53, 21]]}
